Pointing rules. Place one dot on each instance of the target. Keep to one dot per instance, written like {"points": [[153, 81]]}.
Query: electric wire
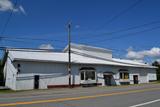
{"points": [[120, 30], [121, 13], [124, 36], [9, 18]]}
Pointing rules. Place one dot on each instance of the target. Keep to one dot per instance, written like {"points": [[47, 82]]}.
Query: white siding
{"points": [[57, 74], [75, 74], [152, 75], [50, 74], [100, 69], [10, 73], [142, 75], [104, 55], [44, 82], [100, 78], [26, 84]]}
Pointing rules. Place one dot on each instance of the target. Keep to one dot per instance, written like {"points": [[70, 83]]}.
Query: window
{"points": [[121, 75], [18, 65], [18, 68], [87, 73], [124, 75], [90, 75], [82, 75]]}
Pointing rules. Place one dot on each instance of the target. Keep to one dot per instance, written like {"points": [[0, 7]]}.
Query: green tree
{"points": [[157, 64], [1, 73], [2, 64]]}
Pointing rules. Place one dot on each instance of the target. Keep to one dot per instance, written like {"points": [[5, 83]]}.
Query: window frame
{"points": [[87, 71], [124, 75], [90, 74]]}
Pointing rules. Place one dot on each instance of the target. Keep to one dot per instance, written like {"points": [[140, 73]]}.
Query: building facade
{"points": [[38, 69]]}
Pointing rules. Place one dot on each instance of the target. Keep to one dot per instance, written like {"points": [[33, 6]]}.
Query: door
{"points": [[107, 80], [36, 82], [135, 79]]}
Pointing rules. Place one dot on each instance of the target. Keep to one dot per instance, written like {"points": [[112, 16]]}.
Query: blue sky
{"points": [[91, 21]]}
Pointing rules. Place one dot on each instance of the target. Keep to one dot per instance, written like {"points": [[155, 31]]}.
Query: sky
{"points": [[130, 28]]}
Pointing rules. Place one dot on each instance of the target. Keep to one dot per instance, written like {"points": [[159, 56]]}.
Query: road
{"points": [[146, 95]]}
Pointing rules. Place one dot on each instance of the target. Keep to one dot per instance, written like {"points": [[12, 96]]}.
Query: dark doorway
{"points": [[135, 79], [107, 80], [36, 82]]}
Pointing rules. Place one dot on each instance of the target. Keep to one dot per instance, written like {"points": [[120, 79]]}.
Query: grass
{"points": [[6, 91], [158, 81], [3, 91]]}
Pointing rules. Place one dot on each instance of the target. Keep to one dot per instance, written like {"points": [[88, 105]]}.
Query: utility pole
{"points": [[69, 53]]}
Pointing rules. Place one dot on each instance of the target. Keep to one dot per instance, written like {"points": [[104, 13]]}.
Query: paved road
{"points": [[147, 95]]}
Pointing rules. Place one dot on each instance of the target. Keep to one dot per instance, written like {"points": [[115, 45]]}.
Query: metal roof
{"points": [[43, 56]]}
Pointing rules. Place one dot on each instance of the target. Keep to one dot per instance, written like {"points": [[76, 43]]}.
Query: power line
{"points": [[19, 38], [121, 13], [126, 35], [34, 39], [31, 40], [22, 41], [8, 19], [19, 41], [121, 30]]}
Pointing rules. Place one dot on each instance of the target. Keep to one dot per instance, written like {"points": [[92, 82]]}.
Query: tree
{"points": [[2, 64], [157, 64], [1, 73]]}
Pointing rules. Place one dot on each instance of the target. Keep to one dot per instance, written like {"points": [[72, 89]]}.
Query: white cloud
{"points": [[134, 55], [7, 5], [46, 46], [22, 9], [153, 53]]}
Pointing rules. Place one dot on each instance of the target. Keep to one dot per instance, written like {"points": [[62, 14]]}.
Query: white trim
{"points": [[146, 103]]}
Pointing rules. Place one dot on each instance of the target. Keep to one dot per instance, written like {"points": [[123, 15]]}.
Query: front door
{"points": [[135, 79], [107, 80], [36, 82]]}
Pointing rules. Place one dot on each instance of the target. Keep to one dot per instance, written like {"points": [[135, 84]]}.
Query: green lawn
{"points": [[3, 91], [6, 91]]}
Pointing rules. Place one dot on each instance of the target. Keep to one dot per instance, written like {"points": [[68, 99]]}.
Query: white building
{"points": [[38, 69]]}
